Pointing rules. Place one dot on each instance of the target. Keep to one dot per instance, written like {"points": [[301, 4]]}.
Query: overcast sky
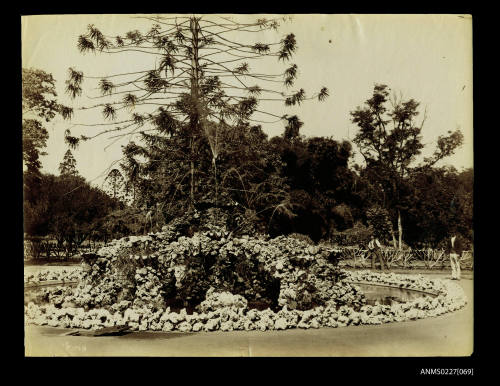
{"points": [[424, 57]]}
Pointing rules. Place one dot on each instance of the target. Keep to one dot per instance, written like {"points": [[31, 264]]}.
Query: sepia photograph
{"points": [[248, 185]]}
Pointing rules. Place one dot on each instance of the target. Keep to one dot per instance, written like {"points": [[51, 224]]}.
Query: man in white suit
{"points": [[454, 249]]}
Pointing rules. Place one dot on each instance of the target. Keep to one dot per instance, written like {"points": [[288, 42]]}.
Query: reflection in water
{"points": [[389, 295]]}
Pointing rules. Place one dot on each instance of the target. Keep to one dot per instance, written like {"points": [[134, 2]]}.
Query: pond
{"points": [[388, 295], [38, 293], [374, 293]]}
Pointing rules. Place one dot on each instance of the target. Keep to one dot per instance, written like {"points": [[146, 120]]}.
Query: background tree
{"points": [[115, 184], [251, 176], [77, 210], [34, 140], [39, 105], [67, 209], [320, 183], [379, 221], [68, 165], [199, 85], [442, 203], [390, 141], [249, 181]]}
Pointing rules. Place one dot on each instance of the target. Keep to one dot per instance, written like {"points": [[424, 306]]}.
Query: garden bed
{"points": [[211, 281], [227, 312]]}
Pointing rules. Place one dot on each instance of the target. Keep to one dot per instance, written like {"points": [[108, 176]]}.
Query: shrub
{"points": [[379, 221], [358, 235], [343, 217], [301, 237]]}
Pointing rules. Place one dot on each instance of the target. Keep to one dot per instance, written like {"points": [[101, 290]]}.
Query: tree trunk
{"points": [[394, 242], [133, 195], [400, 230], [191, 192], [47, 249], [216, 188], [194, 120]]}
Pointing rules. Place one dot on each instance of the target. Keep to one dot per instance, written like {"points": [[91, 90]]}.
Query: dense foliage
{"points": [[65, 208], [39, 106], [279, 186], [201, 155], [167, 269], [443, 202], [271, 186], [390, 141], [292, 184]]}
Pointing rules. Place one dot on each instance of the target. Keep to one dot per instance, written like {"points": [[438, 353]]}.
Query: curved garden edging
{"points": [[226, 312], [49, 283], [51, 277], [385, 285]]}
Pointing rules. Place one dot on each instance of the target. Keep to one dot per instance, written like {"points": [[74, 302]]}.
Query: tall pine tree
{"points": [[115, 184], [68, 165], [200, 84]]}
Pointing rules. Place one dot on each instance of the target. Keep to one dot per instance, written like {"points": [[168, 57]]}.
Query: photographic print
{"points": [[248, 185]]}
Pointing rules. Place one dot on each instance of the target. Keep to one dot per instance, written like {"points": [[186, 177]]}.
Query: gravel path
{"points": [[447, 335]]}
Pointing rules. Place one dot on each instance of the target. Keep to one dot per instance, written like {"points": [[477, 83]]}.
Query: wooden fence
{"points": [[406, 258], [44, 247], [36, 248]]}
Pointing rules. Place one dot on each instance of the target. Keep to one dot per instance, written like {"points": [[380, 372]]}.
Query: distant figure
{"points": [[374, 248], [454, 249], [149, 219]]}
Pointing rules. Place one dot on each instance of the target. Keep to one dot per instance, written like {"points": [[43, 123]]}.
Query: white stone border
{"points": [[450, 297]]}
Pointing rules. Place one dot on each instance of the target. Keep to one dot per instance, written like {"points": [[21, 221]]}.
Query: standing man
{"points": [[374, 248], [455, 249]]}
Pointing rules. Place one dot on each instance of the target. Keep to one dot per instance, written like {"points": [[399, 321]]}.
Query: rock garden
{"points": [[214, 281]]}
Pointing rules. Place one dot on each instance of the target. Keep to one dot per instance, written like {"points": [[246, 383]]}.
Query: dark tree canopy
{"points": [[320, 184], [67, 208], [443, 204]]}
